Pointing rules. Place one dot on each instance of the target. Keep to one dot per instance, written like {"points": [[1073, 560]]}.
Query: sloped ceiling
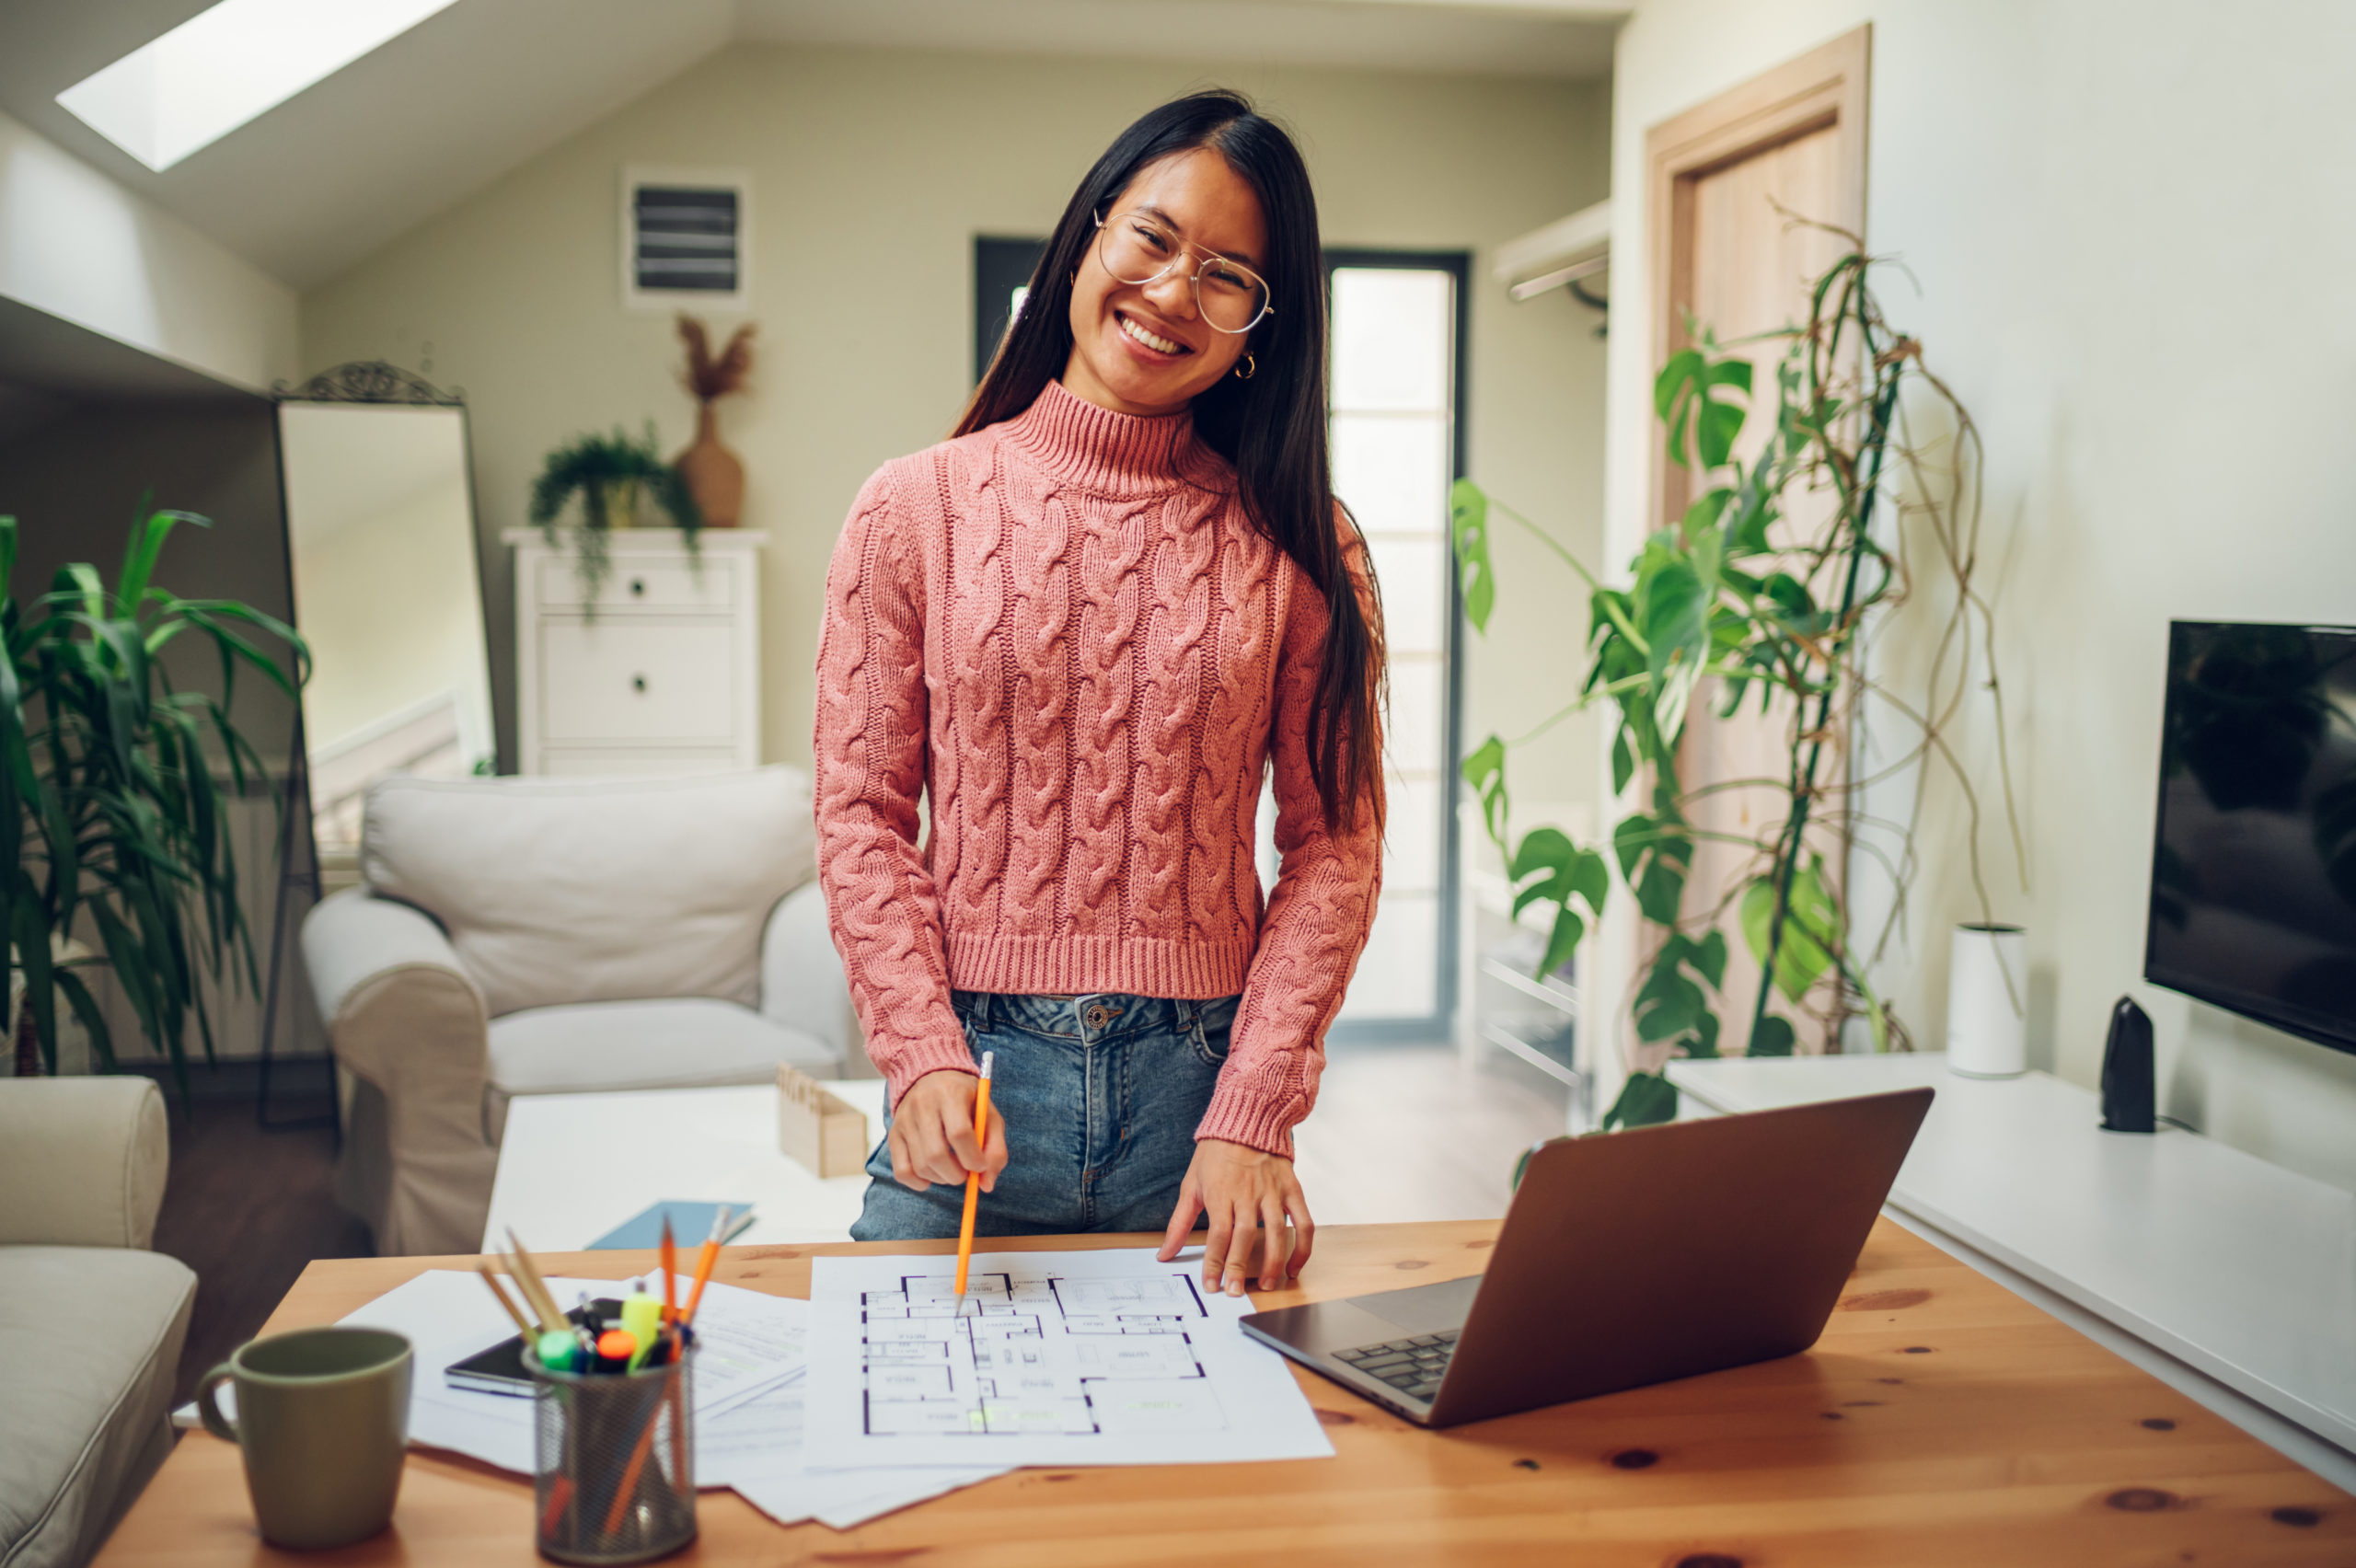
{"points": [[320, 181]]}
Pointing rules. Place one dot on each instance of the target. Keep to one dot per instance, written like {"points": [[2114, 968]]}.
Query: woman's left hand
{"points": [[1241, 1190]]}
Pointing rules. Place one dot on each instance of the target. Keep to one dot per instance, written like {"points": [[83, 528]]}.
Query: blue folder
{"points": [[691, 1224]]}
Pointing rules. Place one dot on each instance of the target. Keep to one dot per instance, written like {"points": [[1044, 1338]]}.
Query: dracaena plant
{"points": [[113, 822], [1757, 596]]}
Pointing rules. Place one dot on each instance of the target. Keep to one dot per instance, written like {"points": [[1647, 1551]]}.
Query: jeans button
{"points": [[1098, 1016]]}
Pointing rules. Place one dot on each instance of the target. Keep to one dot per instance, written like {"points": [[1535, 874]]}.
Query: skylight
{"points": [[227, 64]]}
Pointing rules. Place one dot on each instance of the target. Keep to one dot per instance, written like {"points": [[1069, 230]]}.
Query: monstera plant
{"points": [[112, 816], [1756, 595]]}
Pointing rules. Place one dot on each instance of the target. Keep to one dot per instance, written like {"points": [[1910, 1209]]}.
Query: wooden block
{"points": [[815, 1130]]}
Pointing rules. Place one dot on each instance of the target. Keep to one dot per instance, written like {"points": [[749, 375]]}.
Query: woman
{"points": [[1087, 626]]}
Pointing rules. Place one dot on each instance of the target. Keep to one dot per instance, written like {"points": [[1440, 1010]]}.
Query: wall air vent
{"points": [[686, 238]]}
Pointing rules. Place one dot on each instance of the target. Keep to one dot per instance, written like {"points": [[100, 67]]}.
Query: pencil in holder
{"points": [[614, 1475]]}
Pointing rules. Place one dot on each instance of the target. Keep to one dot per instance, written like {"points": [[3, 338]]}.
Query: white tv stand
{"points": [[2230, 1279]]}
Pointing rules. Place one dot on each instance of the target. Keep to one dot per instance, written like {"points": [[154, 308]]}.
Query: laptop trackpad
{"points": [[1424, 1308]]}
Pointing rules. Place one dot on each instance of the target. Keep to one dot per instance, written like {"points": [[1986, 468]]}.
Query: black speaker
{"points": [[2127, 1071]]}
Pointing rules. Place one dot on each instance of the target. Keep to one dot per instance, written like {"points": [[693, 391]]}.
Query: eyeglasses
{"points": [[1135, 250]]}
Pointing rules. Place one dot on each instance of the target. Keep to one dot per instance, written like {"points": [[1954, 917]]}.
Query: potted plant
{"points": [[613, 477], [111, 822], [1764, 591]]}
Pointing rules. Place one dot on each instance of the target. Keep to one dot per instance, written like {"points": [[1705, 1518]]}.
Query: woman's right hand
{"points": [[932, 1134]]}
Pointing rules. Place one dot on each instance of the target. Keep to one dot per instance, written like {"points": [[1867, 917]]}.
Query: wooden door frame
{"points": [[1829, 85]]}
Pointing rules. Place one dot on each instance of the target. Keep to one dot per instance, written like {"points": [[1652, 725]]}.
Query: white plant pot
{"points": [[1988, 1002]]}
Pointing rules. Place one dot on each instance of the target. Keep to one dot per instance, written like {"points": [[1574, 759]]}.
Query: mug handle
{"points": [[209, 1412]]}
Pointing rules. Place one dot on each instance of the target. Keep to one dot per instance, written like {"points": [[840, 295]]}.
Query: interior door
{"points": [[1728, 180]]}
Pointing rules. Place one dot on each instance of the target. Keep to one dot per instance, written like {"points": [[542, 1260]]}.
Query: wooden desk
{"points": [[1941, 1420]]}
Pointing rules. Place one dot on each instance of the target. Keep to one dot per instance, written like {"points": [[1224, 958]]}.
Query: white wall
{"points": [[873, 172], [76, 244], [2137, 269]]}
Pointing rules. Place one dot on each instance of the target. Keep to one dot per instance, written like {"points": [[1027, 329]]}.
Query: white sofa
{"points": [[91, 1322], [551, 936]]}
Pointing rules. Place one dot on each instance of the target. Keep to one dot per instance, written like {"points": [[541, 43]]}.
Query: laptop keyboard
{"points": [[1410, 1366]]}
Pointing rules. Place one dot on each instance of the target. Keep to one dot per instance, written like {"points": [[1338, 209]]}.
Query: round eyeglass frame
{"points": [[1187, 247]]}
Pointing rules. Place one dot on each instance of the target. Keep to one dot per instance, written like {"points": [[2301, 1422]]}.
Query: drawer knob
{"points": [[637, 585], [638, 683]]}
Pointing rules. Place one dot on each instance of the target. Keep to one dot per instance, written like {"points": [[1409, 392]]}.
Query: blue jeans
{"points": [[1101, 1097]]}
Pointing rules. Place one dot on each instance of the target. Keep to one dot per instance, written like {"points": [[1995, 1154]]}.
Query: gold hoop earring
{"points": [[1247, 370]]}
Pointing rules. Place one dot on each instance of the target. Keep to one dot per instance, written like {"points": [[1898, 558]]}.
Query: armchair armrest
{"points": [[803, 985], [405, 1019], [82, 1161]]}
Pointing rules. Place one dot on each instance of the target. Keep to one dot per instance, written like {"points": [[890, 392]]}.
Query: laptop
{"points": [[1630, 1258]]}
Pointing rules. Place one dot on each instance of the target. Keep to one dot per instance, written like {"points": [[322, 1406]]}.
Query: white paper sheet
{"points": [[749, 1402], [756, 1446], [843, 1499], [1076, 1359], [750, 1340]]}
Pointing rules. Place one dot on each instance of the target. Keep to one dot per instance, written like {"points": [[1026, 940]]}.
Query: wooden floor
{"points": [[246, 1208], [1401, 1132], [1409, 1132]]}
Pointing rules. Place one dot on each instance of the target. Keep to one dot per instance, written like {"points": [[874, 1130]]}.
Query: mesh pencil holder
{"points": [[614, 1479]]}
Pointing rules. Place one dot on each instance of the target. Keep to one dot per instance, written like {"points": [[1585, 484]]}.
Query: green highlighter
{"points": [[643, 1318], [557, 1350]]}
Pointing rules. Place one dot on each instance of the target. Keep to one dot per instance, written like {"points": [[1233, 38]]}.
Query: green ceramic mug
{"points": [[323, 1419]]}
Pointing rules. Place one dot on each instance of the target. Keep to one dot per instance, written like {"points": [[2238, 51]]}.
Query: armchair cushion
{"points": [[85, 1383], [562, 891], [82, 1161], [803, 984], [691, 1043]]}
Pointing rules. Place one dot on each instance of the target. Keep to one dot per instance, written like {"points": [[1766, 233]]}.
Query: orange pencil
{"points": [[709, 1256], [974, 1180], [670, 1269]]}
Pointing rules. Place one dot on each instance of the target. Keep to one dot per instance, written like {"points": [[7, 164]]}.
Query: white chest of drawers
{"points": [[663, 677]]}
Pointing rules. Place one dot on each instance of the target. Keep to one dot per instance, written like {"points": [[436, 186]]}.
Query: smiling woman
{"points": [[1087, 626]]}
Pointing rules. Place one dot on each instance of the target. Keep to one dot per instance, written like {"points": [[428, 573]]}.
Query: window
{"points": [[1397, 379], [228, 64]]}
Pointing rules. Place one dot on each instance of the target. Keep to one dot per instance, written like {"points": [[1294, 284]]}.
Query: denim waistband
{"points": [[1102, 1015]]}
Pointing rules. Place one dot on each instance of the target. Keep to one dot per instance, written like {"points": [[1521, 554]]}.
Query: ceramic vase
{"points": [[715, 475], [1988, 1002]]}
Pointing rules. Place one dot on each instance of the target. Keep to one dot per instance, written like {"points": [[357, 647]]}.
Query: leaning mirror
{"points": [[381, 539]]}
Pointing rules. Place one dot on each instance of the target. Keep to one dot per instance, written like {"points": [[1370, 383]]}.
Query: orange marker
{"points": [[974, 1180]]}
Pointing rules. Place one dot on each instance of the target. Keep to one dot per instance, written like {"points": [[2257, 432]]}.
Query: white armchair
{"points": [[543, 935]]}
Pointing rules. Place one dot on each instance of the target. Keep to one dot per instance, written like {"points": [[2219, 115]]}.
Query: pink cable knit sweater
{"points": [[1065, 628]]}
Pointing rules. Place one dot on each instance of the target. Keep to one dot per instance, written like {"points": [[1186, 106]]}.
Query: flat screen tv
{"points": [[2254, 865]]}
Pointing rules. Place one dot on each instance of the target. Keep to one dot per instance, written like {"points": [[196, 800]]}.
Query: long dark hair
{"points": [[1271, 427]]}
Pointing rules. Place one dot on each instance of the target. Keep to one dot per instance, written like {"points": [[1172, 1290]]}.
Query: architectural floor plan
{"points": [[1124, 1361], [1073, 1357]]}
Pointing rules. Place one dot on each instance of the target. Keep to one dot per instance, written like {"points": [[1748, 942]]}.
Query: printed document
{"points": [[748, 1397], [1074, 1359]]}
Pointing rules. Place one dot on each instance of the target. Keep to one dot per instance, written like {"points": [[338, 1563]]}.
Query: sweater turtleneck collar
{"points": [[1112, 454]]}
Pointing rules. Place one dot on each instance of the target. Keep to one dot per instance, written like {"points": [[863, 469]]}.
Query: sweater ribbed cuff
{"points": [[914, 1058], [1239, 1115]]}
